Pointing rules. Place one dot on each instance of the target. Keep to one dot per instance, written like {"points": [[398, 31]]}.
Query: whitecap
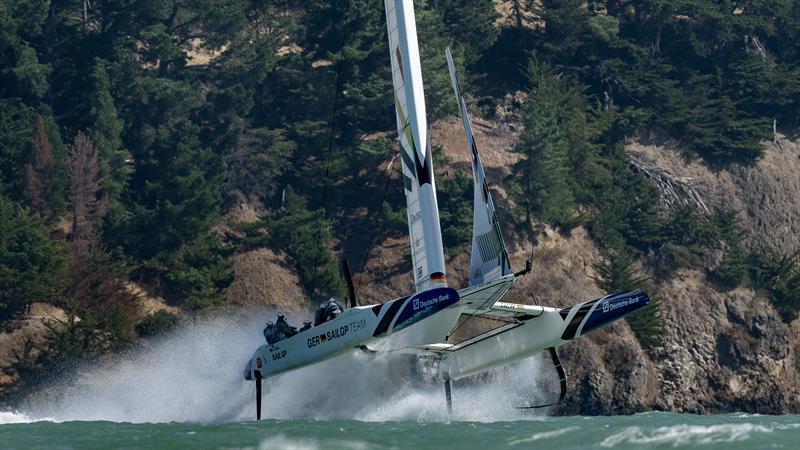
{"points": [[280, 441], [543, 435], [684, 434]]}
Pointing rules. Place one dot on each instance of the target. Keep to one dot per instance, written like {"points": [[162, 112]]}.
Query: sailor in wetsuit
{"points": [[269, 333], [279, 330], [327, 311], [283, 328]]}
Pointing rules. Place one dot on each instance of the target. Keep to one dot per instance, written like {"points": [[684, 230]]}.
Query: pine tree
{"points": [[541, 175], [173, 196], [296, 231], [33, 187], [733, 267], [351, 37], [15, 136], [198, 274], [433, 39], [105, 132], [30, 264], [778, 273], [566, 31], [470, 25], [38, 169], [254, 165]]}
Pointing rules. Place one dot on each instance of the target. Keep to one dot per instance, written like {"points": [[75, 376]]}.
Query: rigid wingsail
{"points": [[425, 322]]}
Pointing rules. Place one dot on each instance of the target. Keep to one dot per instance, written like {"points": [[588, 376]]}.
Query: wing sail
{"points": [[427, 251], [489, 259]]}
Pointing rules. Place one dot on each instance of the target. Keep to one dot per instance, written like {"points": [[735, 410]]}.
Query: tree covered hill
{"points": [[129, 128]]}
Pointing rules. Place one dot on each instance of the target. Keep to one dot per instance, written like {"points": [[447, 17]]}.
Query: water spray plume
{"points": [[194, 375]]}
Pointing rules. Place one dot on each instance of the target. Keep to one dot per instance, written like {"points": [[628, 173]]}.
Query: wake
{"points": [[195, 375]]}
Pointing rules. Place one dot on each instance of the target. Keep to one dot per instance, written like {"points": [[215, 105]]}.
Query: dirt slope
{"points": [[264, 278], [766, 195]]}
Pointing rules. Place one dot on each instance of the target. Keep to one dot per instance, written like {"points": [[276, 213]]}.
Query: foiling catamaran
{"points": [[422, 323]]}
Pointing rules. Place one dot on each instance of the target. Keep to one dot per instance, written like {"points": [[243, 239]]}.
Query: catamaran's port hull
{"points": [[406, 322]]}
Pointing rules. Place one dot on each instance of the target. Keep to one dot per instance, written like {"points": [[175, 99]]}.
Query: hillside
{"points": [[161, 163]]}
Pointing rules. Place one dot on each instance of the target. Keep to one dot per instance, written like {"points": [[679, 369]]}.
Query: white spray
{"points": [[195, 375]]}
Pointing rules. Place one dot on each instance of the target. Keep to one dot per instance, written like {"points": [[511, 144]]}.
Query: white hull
{"points": [[406, 322], [510, 343], [529, 329]]}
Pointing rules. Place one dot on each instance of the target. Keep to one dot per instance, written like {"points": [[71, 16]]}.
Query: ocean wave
{"points": [[288, 443], [542, 435], [679, 435]]}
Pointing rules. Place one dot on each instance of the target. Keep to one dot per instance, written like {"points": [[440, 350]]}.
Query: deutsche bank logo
{"points": [[429, 302]]}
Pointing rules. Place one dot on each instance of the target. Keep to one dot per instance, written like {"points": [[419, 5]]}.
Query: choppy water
{"points": [[650, 430], [186, 391]]}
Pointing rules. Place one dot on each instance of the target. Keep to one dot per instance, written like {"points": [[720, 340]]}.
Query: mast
{"points": [[427, 251]]}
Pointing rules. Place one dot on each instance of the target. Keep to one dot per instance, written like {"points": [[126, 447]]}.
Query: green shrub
{"points": [[198, 274], [303, 234], [31, 265], [779, 275], [732, 270], [157, 323]]}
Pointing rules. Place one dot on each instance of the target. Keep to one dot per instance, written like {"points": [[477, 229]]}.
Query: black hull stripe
{"points": [[383, 325], [572, 328]]}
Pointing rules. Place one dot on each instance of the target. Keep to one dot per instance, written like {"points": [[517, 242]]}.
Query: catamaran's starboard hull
{"points": [[535, 329]]}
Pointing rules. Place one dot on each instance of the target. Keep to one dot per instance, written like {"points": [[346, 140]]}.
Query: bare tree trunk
{"points": [[674, 191], [774, 131], [85, 185], [656, 50]]}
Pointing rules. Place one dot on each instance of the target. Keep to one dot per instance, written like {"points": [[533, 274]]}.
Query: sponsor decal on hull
{"points": [[331, 335], [596, 313], [279, 354], [424, 305]]}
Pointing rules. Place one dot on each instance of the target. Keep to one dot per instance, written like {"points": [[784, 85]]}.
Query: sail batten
{"points": [[425, 235], [489, 259]]}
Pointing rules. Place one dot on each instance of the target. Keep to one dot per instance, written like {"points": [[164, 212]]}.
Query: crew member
{"points": [[283, 328], [269, 333], [328, 310]]}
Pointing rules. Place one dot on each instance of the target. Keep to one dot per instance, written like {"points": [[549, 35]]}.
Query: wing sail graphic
{"points": [[489, 258], [423, 214]]}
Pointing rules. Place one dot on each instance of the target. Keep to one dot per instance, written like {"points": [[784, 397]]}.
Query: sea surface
{"points": [[186, 390], [647, 430]]}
